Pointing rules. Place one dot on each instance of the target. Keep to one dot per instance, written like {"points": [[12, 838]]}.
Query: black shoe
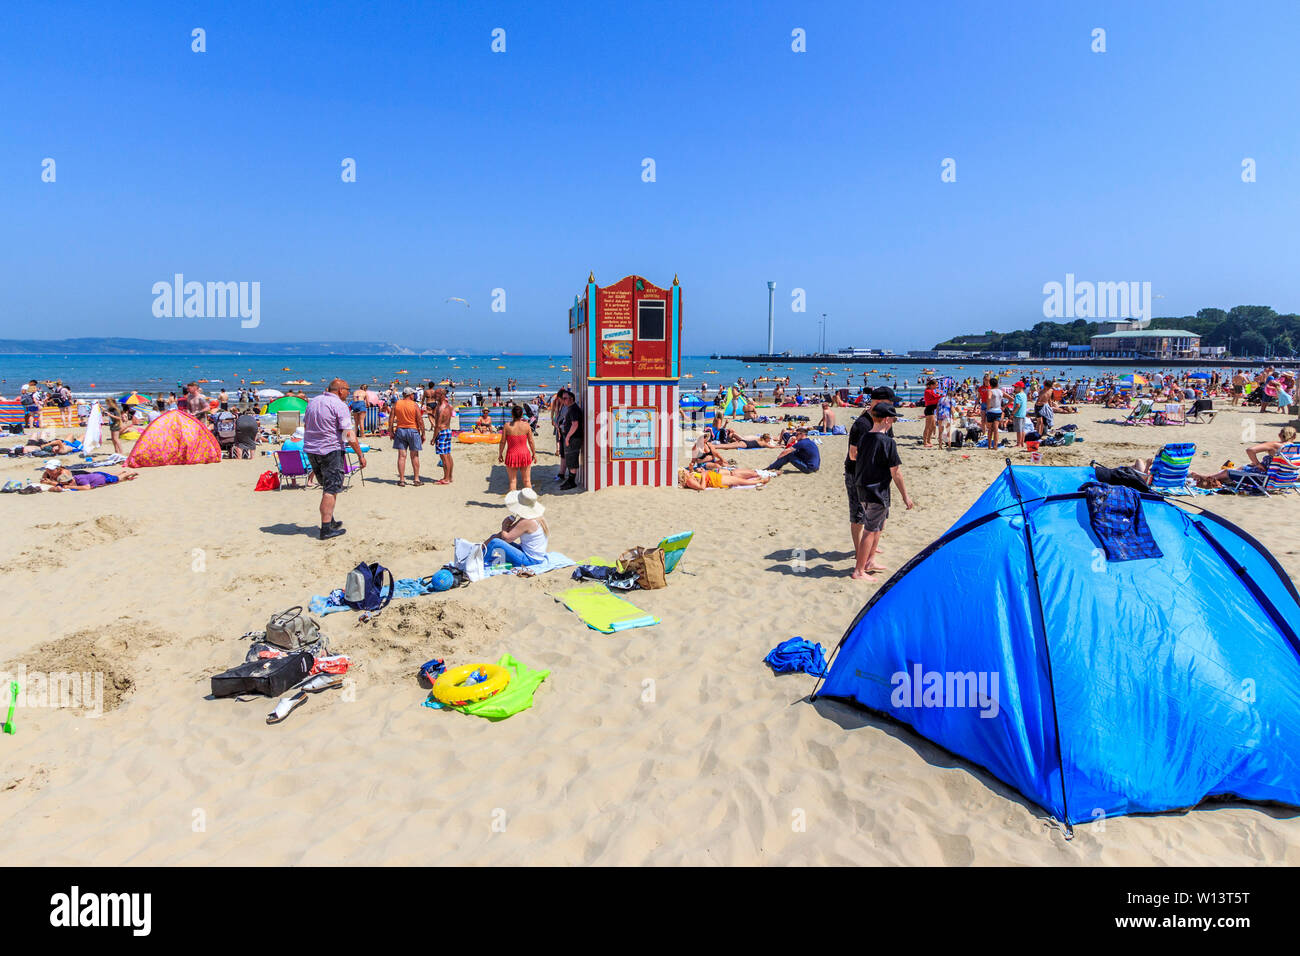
{"points": [[336, 524], [331, 531], [569, 484]]}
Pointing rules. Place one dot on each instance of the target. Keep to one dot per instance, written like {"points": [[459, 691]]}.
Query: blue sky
{"points": [[523, 170]]}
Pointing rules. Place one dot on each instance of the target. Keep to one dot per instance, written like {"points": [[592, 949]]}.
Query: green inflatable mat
{"points": [[603, 611], [517, 696]]}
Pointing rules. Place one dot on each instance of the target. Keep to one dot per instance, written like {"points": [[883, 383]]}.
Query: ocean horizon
{"points": [[100, 376]]}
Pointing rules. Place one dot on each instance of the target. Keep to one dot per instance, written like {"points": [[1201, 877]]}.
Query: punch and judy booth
{"points": [[626, 366]]}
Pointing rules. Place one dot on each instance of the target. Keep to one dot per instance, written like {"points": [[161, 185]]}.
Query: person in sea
{"points": [[524, 534], [877, 465], [517, 450], [327, 425], [65, 479], [407, 420]]}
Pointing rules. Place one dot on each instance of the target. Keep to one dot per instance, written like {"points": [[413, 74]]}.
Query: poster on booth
{"points": [[633, 434], [634, 329]]}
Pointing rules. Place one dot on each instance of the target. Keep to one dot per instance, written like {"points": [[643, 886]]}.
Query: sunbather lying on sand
{"points": [[747, 441], [64, 479], [699, 481], [32, 446]]}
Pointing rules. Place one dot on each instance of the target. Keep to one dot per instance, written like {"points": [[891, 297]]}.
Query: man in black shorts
{"points": [[877, 465], [861, 425], [572, 440]]}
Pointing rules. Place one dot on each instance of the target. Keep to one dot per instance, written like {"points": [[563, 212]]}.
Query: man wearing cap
{"points": [[407, 420], [877, 465], [327, 424], [861, 425]]}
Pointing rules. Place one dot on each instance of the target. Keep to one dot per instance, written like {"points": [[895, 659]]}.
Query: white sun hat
{"points": [[524, 503]]}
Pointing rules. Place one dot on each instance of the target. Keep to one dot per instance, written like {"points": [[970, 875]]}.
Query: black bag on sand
{"points": [[272, 676]]}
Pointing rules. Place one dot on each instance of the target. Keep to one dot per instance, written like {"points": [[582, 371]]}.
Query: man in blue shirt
{"points": [[803, 454]]}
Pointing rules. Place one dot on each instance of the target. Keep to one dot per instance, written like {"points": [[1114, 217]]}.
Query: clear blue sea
{"points": [[103, 375]]}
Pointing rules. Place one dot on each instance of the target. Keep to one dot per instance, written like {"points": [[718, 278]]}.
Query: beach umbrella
{"points": [[288, 403], [269, 393], [1199, 375], [135, 398], [1133, 380]]}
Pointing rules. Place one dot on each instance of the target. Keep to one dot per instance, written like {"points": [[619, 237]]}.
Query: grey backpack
{"points": [[292, 630]]}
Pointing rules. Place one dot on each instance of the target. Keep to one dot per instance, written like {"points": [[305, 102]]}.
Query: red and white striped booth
{"points": [[626, 362]]}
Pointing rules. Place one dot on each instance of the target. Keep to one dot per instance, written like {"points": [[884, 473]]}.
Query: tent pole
{"points": [[1047, 654]]}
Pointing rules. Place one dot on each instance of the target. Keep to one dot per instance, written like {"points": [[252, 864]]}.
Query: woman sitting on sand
{"points": [[524, 535], [64, 479], [704, 450], [698, 481], [483, 426]]}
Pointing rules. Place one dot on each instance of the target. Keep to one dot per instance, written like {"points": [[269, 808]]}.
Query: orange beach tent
{"points": [[174, 438]]}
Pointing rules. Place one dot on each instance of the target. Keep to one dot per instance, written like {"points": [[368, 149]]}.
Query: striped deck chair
{"points": [[673, 547], [1170, 466], [371, 420], [1143, 411], [1283, 474]]}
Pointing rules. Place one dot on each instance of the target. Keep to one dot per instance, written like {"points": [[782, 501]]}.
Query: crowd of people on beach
{"points": [[991, 413]]}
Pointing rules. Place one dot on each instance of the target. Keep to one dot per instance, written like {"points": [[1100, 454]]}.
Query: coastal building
{"points": [[1147, 344]]}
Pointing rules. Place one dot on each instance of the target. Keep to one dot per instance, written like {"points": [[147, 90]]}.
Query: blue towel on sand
{"points": [[1117, 520], [796, 654], [411, 587]]}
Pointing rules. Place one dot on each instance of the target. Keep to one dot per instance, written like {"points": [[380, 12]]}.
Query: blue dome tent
{"points": [[1094, 687]]}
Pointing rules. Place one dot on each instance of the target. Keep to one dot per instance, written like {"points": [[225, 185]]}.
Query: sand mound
{"points": [[391, 647], [113, 652]]}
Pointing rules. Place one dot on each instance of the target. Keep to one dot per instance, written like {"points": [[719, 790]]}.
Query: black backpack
{"points": [[364, 590]]}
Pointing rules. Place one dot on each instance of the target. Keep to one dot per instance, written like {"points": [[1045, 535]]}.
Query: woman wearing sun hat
{"points": [[524, 535]]}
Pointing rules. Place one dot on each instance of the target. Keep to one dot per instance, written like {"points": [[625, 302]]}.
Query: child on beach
{"points": [[877, 464], [1020, 411]]}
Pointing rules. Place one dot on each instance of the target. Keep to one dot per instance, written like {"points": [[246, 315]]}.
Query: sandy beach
{"points": [[663, 745]]}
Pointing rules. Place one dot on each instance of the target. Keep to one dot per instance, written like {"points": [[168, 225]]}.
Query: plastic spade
{"points": [[13, 702]]}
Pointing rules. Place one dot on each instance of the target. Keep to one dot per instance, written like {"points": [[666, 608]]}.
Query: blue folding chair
{"points": [[1170, 468]]}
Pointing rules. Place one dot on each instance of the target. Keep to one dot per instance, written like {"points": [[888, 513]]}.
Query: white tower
{"points": [[771, 318]]}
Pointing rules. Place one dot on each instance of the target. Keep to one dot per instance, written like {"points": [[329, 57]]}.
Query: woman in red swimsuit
{"points": [[516, 449]]}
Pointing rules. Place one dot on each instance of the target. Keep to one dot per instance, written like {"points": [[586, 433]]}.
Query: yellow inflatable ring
{"points": [[447, 687]]}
